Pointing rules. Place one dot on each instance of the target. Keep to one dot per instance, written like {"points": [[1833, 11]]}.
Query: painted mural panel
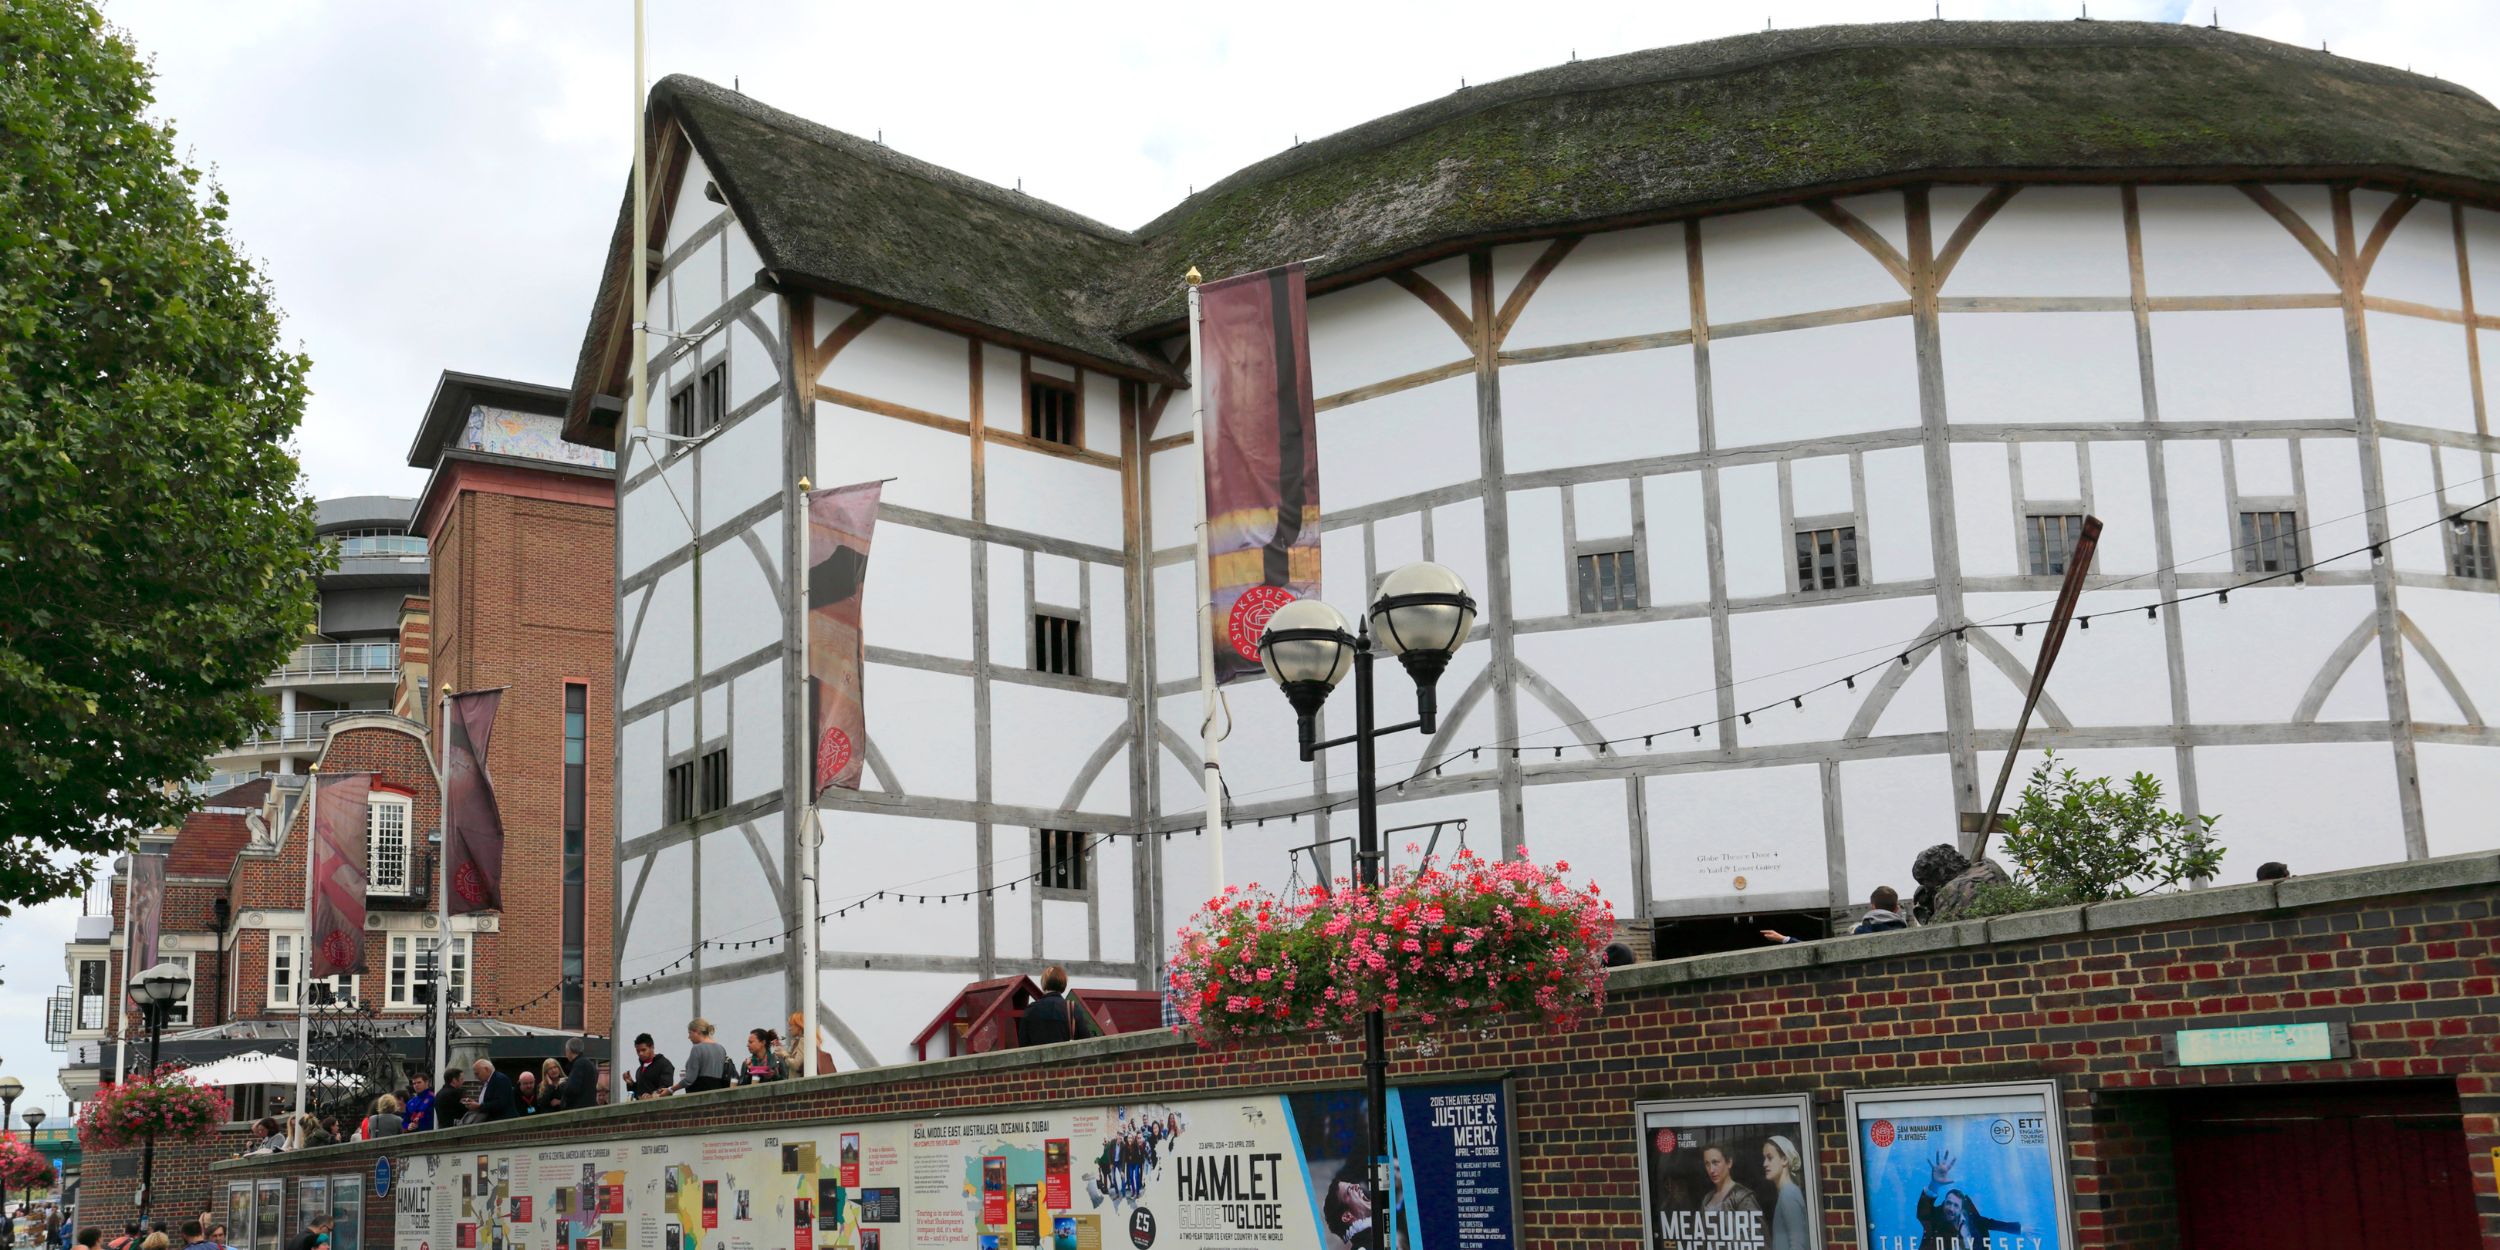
{"points": [[1215, 1174]]}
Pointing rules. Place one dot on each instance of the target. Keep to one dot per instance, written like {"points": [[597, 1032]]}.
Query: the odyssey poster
{"points": [[1975, 1166]]}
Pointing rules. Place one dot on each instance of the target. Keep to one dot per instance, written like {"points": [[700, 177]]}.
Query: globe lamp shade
{"points": [[1422, 615]]}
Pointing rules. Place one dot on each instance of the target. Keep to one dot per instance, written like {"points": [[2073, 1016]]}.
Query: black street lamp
{"points": [[157, 989], [34, 1120], [1421, 616]]}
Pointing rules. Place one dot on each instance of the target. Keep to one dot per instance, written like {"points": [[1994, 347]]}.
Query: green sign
{"points": [[2257, 1043]]}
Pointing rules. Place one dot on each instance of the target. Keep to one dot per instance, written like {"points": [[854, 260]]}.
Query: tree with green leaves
{"points": [[2084, 840], [157, 557]]}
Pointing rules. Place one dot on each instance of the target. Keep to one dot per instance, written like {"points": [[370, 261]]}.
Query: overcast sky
{"points": [[431, 185]]}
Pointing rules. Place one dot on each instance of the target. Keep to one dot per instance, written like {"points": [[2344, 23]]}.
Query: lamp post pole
{"points": [[34, 1120], [1422, 615], [1367, 856], [10, 1088], [157, 989]]}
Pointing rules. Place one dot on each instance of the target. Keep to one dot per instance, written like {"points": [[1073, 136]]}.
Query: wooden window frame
{"points": [[712, 779], [2247, 555], [1626, 550], [1075, 389], [1078, 643], [2470, 548], [2066, 515], [1049, 858], [1854, 527], [399, 986]]}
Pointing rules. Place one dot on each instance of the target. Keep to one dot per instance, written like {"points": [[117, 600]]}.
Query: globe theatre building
{"points": [[1756, 388]]}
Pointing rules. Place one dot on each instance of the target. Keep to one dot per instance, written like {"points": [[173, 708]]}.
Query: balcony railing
{"points": [[379, 545], [301, 727], [342, 659]]}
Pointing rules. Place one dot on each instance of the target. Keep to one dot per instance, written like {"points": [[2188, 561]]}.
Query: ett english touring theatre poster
{"points": [[1969, 1167], [1213, 1174]]}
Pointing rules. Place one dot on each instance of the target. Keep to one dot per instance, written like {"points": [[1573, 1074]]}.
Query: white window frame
{"points": [[103, 994], [292, 947], [400, 983], [380, 808], [179, 1015]]}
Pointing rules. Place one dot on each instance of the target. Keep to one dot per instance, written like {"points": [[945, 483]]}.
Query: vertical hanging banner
{"points": [[472, 826], [840, 522], [1261, 456], [147, 913], [337, 847]]}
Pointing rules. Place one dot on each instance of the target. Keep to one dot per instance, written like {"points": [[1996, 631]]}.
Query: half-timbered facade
{"points": [[1719, 372]]}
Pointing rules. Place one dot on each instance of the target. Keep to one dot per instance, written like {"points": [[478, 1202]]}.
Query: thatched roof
{"points": [[1764, 118]]}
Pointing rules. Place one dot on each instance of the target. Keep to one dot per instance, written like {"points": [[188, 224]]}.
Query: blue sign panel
{"points": [[382, 1177]]}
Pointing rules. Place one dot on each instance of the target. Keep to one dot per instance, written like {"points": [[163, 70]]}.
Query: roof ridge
{"points": [[899, 162], [1696, 61]]}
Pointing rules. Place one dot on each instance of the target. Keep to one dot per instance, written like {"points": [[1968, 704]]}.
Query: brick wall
{"points": [[184, 1188], [523, 598], [2404, 956]]}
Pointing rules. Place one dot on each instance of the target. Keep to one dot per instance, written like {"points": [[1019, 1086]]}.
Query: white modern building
{"points": [[1721, 373]]}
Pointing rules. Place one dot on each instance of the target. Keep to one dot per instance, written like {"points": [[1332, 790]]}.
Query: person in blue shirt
{"points": [[418, 1115]]}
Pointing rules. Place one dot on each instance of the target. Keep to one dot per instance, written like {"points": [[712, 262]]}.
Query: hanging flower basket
{"points": [[22, 1166], [166, 1105], [1455, 946]]}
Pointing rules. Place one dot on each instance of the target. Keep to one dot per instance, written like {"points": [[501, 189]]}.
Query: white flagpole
{"points": [[811, 821], [441, 1058], [638, 264], [130, 968], [303, 952], [1208, 740]]}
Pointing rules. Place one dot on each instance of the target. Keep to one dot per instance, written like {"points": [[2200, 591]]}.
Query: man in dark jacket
{"points": [[496, 1099], [581, 1077], [1052, 1018], [451, 1102], [1883, 914], [653, 1073]]}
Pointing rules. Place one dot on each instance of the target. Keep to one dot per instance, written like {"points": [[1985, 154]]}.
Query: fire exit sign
{"points": [[2260, 1043]]}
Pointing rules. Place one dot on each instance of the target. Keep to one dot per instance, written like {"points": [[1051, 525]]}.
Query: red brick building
{"points": [[519, 530], [522, 530]]}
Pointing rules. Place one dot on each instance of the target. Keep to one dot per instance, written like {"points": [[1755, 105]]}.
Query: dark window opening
{"points": [[715, 781], [1057, 645], [2470, 551], [2270, 542], [712, 396], [1067, 859], [1827, 559], [1050, 410], [2049, 540], [681, 412], [1609, 582], [677, 794], [576, 754]]}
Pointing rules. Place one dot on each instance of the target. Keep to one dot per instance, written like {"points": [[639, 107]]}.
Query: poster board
{"points": [[1729, 1174], [1252, 1172], [1985, 1164]]}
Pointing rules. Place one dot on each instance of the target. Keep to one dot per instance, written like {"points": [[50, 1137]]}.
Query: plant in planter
{"points": [[166, 1104], [22, 1167], [1459, 945]]}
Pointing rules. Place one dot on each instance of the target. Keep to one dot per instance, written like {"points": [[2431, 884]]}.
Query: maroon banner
{"points": [[1262, 457], [146, 904], [337, 847], [840, 522], [472, 827]]}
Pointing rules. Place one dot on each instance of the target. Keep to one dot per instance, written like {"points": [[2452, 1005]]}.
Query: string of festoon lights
{"points": [[1903, 655]]}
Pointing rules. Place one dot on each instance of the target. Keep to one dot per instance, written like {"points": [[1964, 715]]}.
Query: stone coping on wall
{"points": [[2213, 903]]}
